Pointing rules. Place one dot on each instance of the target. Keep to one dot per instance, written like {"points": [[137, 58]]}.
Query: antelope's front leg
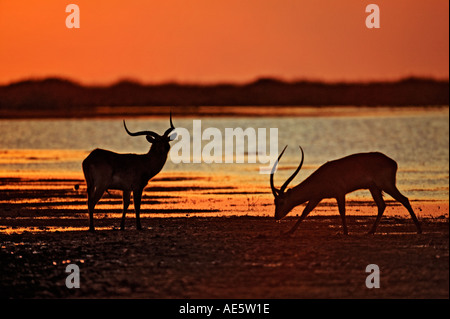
{"points": [[137, 195], [126, 202], [309, 207], [341, 207]]}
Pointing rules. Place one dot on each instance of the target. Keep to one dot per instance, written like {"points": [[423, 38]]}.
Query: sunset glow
{"points": [[224, 155], [205, 41]]}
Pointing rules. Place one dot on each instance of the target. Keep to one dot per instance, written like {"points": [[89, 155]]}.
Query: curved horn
{"points": [[167, 132], [294, 174], [139, 133], [275, 191]]}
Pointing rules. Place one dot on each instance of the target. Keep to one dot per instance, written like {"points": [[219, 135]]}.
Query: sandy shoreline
{"points": [[186, 251]]}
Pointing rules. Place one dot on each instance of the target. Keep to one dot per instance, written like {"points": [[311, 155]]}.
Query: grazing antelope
{"points": [[105, 170], [335, 179]]}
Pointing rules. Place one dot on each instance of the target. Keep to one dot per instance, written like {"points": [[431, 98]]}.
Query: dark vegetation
{"points": [[62, 95]]}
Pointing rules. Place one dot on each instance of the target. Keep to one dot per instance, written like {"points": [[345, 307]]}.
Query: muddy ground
{"points": [[203, 240], [236, 257]]}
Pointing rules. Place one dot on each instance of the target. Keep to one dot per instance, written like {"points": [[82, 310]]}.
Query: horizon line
{"points": [[256, 80]]}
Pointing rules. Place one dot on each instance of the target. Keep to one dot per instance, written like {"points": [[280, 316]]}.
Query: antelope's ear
{"points": [[173, 136], [150, 138]]}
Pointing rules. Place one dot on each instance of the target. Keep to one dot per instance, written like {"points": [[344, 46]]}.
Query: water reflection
{"points": [[418, 141]]}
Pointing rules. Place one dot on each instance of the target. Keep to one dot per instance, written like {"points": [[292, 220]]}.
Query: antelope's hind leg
{"points": [[378, 198], [126, 202], [94, 195], [395, 193]]}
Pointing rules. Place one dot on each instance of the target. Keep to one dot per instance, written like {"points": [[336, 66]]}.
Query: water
{"points": [[418, 141]]}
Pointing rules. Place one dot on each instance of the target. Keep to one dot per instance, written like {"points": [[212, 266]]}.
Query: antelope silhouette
{"points": [[373, 171], [104, 170]]}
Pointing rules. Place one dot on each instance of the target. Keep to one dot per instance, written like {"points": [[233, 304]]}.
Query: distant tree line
{"points": [[60, 94]]}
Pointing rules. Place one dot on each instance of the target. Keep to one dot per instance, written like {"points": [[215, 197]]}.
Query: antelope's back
{"points": [[97, 155], [360, 170], [115, 160], [370, 161], [99, 160]]}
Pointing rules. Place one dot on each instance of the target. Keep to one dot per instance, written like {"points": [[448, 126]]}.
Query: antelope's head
{"points": [[283, 199], [160, 143]]}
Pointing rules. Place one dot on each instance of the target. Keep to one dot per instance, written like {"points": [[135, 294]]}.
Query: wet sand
{"points": [[202, 239]]}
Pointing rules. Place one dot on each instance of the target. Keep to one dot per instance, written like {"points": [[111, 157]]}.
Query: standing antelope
{"points": [[373, 171], [105, 170]]}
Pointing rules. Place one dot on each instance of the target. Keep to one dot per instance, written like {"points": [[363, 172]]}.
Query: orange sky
{"points": [[206, 41]]}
